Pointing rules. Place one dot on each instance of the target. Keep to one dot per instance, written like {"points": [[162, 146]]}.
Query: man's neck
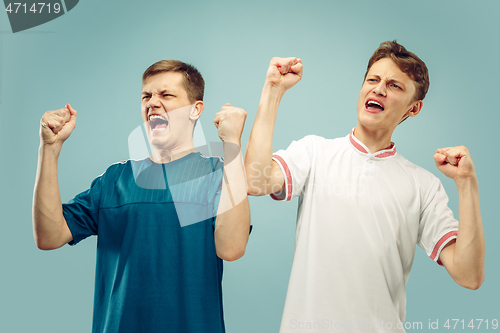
{"points": [[375, 140], [169, 155]]}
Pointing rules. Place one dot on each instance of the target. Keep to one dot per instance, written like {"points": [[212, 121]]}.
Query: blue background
{"points": [[93, 57]]}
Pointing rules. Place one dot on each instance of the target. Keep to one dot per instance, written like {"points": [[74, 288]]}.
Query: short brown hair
{"points": [[193, 81], [407, 62]]}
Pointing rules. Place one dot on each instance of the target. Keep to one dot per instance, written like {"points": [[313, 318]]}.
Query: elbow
{"points": [[39, 243], [46, 245], [473, 283], [231, 254], [51, 237]]}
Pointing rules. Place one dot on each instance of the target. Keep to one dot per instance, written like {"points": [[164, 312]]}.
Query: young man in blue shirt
{"points": [[163, 223]]}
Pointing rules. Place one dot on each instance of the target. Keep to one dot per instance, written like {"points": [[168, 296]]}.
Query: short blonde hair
{"points": [[193, 81]]}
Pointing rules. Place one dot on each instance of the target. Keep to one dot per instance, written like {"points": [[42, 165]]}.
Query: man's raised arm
{"points": [[49, 226], [263, 174], [232, 225], [464, 259]]}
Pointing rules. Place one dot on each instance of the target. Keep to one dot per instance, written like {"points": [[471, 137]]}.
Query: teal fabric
{"points": [[152, 273]]}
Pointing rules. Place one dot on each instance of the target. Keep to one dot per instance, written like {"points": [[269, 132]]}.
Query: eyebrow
{"points": [[388, 81], [161, 92]]}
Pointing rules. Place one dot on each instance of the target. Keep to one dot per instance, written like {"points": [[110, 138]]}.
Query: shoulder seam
{"points": [[219, 157]]}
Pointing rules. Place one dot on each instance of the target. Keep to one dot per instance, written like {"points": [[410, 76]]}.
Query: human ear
{"points": [[197, 109], [415, 109]]}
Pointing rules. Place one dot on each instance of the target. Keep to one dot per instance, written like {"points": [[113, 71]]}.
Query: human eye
{"points": [[394, 85], [145, 97]]}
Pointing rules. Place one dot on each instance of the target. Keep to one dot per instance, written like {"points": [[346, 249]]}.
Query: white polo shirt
{"points": [[360, 216]]}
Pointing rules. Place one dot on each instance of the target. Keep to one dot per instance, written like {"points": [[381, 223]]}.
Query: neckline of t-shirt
{"points": [[183, 158], [363, 150]]}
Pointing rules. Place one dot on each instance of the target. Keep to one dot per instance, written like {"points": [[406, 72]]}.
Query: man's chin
{"points": [[159, 143], [376, 125], [369, 122]]}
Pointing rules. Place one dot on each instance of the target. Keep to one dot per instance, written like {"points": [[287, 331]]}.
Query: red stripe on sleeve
{"points": [[443, 240], [288, 176]]}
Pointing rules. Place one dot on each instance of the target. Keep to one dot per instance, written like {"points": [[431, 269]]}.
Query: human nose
{"points": [[380, 88], [154, 101]]}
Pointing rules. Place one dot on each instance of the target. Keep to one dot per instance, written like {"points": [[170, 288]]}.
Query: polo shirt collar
{"points": [[361, 148]]}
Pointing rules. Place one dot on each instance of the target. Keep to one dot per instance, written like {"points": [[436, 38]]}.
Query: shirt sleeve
{"points": [[295, 164], [82, 212], [437, 225]]}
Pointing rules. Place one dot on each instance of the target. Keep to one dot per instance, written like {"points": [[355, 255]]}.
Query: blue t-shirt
{"points": [[157, 269]]}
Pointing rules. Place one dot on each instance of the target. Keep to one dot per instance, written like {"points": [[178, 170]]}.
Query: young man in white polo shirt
{"points": [[363, 207]]}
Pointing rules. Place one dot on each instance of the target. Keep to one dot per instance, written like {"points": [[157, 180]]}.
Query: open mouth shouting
{"points": [[374, 106], [158, 123]]}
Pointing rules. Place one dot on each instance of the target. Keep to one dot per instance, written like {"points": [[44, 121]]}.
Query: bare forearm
{"points": [[233, 219], [259, 151], [469, 247], [47, 208]]}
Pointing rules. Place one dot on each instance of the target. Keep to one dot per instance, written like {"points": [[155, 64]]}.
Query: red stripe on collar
{"points": [[363, 149], [356, 144]]}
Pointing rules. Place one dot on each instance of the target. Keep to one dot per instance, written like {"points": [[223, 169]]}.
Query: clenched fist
{"points": [[56, 126], [284, 72], [455, 162], [230, 122]]}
